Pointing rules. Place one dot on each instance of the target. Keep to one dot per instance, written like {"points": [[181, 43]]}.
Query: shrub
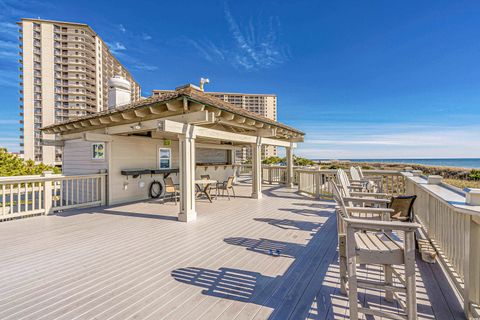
{"points": [[474, 174], [12, 165]]}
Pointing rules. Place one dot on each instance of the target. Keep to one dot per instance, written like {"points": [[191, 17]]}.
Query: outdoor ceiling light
{"points": [[137, 126]]}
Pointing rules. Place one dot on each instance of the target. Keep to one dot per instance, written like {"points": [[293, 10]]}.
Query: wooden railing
{"points": [[24, 196], [314, 182], [274, 174], [271, 173], [453, 228]]}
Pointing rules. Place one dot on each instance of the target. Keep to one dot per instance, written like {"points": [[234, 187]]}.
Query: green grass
{"points": [[462, 183]]}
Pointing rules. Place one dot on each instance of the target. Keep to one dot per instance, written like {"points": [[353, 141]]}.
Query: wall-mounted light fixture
{"points": [[137, 126]]}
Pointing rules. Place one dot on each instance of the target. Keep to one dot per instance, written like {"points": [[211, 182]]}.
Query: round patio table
{"points": [[205, 189]]}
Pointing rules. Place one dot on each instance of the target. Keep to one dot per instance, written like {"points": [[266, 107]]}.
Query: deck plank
{"points": [[137, 261]]}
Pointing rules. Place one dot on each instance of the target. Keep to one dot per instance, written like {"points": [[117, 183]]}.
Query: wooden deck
{"points": [[137, 261]]}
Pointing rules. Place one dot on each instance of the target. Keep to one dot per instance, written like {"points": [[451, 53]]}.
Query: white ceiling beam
{"points": [[157, 109], [180, 128], [128, 115], [240, 119], [105, 120], [174, 105], [227, 115], [140, 113], [195, 106]]}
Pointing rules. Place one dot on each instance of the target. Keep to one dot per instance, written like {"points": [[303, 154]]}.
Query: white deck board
{"points": [[137, 261]]}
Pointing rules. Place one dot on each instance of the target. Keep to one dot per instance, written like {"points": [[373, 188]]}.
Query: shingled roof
{"points": [[189, 92]]}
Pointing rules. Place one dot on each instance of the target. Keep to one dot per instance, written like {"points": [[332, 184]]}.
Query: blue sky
{"points": [[363, 79]]}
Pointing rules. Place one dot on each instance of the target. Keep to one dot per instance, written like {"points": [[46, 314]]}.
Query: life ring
{"points": [[156, 189]]}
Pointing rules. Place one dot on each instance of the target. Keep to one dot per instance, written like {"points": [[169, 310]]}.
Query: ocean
{"points": [[451, 162]]}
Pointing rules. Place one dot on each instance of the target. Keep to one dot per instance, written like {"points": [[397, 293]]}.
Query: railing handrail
{"points": [[447, 195], [38, 178]]}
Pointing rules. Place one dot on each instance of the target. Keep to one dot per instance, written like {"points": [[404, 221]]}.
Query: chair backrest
{"points": [[403, 208], [343, 182], [355, 174], [230, 182], [169, 185], [341, 209], [360, 172], [205, 177]]}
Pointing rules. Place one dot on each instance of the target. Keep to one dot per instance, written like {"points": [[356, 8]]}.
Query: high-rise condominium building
{"points": [[64, 74], [263, 104]]}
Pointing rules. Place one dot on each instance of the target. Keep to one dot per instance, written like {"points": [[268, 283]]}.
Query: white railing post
{"points": [[103, 187], [47, 193], [318, 180], [471, 272]]}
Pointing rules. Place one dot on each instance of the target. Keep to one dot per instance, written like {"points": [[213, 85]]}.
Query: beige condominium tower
{"points": [[263, 104], [64, 74]]}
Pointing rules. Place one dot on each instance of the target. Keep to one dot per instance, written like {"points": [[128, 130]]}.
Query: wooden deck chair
{"points": [[226, 186], [358, 197], [364, 241], [211, 186], [374, 181], [171, 189]]}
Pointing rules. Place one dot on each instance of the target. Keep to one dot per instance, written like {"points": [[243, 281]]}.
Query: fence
{"points": [[34, 195], [453, 228], [315, 182]]}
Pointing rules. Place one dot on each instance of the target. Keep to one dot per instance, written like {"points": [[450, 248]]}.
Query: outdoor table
{"points": [[205, 190]]}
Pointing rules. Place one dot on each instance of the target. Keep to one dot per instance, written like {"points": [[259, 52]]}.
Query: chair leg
{"points": [[343, 263], [410, 280], [352, 275], [233, 190], [387, 269], [228, 194]]}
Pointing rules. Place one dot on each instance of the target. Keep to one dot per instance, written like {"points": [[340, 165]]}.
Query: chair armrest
{"points": [[366, 200], [381, 225], [356, 181], [372, 178], [356, 187], [369, 210], [382, 213], [370, 194]]}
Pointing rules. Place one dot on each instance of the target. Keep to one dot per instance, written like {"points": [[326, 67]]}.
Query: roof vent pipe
{"points": [[203, 81], [119, 92]]}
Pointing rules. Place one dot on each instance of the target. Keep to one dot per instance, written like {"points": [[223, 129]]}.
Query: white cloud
{"points": [[257, 45], [394, 142], [145, 67], [8, 121], [146, 37], [9, 29], [116, 47], [122, 28], [252, 46], [9, 78]]}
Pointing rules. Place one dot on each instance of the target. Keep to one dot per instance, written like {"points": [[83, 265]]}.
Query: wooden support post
{"points": [[257, 169], [187, 175], [290, 166], [47, 194]]}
